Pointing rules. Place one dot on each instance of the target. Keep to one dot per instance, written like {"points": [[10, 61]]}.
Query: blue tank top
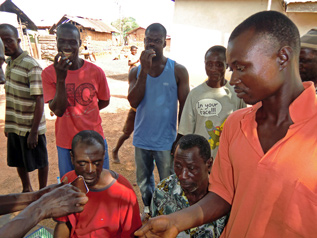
{"points": [[156, 116]]}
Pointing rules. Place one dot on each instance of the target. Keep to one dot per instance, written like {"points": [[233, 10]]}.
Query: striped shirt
{"points": [[23, 82]]}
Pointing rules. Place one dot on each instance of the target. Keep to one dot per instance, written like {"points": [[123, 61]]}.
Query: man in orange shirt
{"points": [[265, 172]]}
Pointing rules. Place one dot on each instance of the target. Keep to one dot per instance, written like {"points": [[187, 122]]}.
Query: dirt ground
{"points": [[113, 118]]}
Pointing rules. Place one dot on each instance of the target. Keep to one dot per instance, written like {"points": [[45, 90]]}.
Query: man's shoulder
{"points": [[168, 183], [49, 68], [29, 61], [71, 175], [238, 115]]}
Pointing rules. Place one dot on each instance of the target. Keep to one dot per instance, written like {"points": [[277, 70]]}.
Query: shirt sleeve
{"points": [[35, 80], [49, 84], [131, 213], [221, 176], [188, 119]]}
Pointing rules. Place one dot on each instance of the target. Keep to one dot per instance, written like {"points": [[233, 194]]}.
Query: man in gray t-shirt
{"points": [[208, 105]]}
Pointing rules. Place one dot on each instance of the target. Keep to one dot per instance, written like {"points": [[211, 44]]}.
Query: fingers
{"points": [[65, 180], [143, 230], [62, 61]]}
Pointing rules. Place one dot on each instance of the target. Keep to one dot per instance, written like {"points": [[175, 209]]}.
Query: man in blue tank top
{"points": [[156, 87]]}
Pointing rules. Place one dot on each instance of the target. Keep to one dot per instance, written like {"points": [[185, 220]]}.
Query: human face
{"points": [[156, 41], [215, 66], [68, 41], [88, 162], [2, 59], [255, 67], [308, 64], [191, 170], [134, 51], [10, 42]]}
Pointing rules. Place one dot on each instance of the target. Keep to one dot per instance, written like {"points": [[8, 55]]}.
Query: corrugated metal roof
{"points": [[94, 24], [301, 6], [298, 1]]}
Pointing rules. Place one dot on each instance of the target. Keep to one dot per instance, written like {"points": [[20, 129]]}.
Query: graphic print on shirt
{"points": [[82, 95], [208, 108]]}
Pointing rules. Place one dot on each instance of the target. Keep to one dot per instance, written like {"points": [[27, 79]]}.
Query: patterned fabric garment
{"points": [[169, 197]]}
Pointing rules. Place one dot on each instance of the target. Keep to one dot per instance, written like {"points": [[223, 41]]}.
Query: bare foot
{"points": [[115, 157]]}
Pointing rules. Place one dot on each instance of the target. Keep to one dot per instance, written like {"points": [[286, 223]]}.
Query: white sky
{"points": [[144, 11]]}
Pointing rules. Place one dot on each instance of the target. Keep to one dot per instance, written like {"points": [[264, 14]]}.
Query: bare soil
{"points": [[113, 118]]}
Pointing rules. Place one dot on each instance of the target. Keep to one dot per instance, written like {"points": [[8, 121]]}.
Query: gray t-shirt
{"points": [[206, 110]]}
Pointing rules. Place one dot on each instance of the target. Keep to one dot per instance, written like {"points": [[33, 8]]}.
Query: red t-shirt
{"points": [[85, 87], [110, 212]]}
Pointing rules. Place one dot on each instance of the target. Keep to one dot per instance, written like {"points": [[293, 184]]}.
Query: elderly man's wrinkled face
{"points": [[88, 162], [308, 64], [191, 170]]}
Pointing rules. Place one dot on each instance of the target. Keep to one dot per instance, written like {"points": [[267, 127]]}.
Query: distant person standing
{"points": [[133, 61], [156, 87], [134, 57], [308, 57], [76, 91], [25, 125]]}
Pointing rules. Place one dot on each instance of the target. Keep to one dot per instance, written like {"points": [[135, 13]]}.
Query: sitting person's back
{"points": [[189, 184], [112, 209]]}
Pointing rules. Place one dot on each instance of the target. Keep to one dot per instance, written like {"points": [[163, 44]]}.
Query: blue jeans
{"points": [[65, 163], [144, 161]]}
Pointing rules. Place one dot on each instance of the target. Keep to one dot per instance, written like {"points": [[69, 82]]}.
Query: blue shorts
{"points": [[65, 163]]}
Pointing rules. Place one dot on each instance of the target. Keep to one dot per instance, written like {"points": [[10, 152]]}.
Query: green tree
{"points": [[125, 25]]}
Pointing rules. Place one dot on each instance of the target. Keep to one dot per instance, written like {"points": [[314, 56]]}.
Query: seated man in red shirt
{"points": [[112, 209]]}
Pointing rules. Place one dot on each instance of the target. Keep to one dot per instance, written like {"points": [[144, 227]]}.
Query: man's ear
{"points": [[164, 43], [209, 163], [284, 56], [79, 43]]}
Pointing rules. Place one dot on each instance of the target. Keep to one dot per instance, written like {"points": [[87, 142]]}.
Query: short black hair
{"points": [[12, 28], [217, 48], [68, 26], [87, 137], [192, 140], [273, 24], [156, 27], [133, 47]]}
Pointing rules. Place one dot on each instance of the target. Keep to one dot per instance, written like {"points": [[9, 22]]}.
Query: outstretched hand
{"points": [[160, 226]]}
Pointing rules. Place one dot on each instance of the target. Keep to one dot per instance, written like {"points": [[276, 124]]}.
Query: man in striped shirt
{"points": [[25, 122]]}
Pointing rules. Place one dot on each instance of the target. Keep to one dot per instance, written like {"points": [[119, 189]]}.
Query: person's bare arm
{"points": [[182, 80], [137, 84], [18, 201], [208, 209], [59, 202], [130, 63], [59, 103], [62, 230], [32, 139], [103, 103]]}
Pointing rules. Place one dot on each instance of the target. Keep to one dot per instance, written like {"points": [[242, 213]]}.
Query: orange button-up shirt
{"points": [[272, 194]]}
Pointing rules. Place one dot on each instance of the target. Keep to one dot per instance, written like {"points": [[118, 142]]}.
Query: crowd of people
{"points": [[236, 158]]}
